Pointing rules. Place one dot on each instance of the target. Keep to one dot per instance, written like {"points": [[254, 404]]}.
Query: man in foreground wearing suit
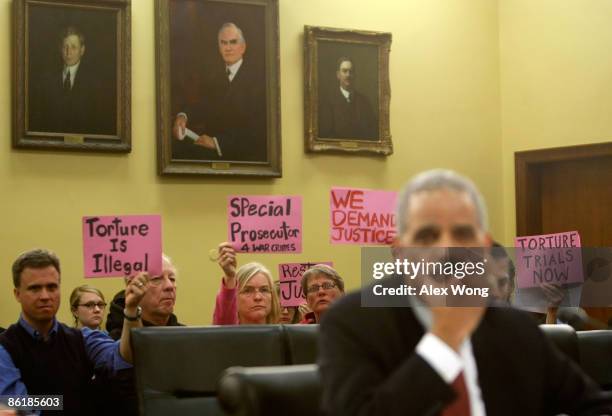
{"points": [[475, 360], [230, 118]]}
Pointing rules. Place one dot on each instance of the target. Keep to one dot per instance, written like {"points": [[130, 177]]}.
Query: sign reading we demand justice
{"points": [[122, 245], [549, 258], [265, 224], [362, 216]]}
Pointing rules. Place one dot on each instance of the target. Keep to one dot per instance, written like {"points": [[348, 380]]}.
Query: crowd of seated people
{"points": [[248, 295], [39, 355]]}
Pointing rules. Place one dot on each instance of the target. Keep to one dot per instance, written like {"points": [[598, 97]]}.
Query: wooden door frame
{"points": [[527, 177]]}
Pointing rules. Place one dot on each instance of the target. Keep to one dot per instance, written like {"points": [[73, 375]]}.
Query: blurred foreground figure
{"points": [[425, 360]]}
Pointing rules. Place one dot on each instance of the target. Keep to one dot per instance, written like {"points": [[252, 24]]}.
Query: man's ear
{"points": [[396, 242], [395, 247], [82, 50], [16, 294], [488, 240]]}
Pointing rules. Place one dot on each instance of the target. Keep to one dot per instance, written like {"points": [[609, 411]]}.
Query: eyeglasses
{"points": [[325, 286], [250, 291], [91, 305]]}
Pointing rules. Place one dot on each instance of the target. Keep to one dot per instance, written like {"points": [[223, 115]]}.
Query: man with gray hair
{"points": [[426, 360], [157, 305], [230, 117]]}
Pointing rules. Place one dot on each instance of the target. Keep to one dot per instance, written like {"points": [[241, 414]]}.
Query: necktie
{"points": [[228, 72], [67, 82], [348, 98], [461, 405]]}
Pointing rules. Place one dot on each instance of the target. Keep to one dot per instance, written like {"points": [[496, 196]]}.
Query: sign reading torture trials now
{"points": [[549, 258], [122, 245], [362, 216], [290, 276], [265, 224]]}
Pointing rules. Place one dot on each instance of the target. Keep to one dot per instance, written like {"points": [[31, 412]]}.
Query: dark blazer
{"points": [[233, 112], [88, 108], [339, 118], [369, 367]]}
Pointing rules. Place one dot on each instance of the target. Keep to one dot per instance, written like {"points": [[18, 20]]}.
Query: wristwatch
{"points": [[133, 318]]}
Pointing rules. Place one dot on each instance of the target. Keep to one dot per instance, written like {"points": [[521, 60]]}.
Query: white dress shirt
{"points": [[448, 363], [73, 71], [233, 69], [346, 94]]}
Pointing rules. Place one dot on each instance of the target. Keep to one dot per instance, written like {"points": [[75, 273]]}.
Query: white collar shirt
{"points": [[447, 362], [72, 70], [233, 69]]}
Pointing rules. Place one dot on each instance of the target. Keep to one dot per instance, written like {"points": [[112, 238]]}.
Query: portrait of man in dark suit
{"points": [[71, 94], [345, 112], [227, 121]]}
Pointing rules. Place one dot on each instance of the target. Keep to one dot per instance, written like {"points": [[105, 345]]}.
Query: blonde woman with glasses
{"points": [[87, 305], [247, 295]]}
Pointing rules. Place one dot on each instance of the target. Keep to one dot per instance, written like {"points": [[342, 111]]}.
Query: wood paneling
{"points": [[566, 189]]}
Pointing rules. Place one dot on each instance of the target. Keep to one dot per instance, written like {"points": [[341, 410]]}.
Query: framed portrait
{"points": [[346, 90], [218, 90], [72, 75]]}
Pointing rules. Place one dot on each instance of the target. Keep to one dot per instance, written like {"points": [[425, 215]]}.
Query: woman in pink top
{"points": [[247, 295]]}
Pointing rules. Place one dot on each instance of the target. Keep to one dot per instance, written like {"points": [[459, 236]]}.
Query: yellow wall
{"points": [[556, 72], [444, 113]]}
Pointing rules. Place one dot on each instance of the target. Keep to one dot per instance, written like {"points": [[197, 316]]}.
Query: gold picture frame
{"points": [[76, 99], [212, 119], [346, 91]]}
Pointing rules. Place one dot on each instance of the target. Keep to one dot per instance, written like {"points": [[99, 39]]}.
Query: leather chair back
{"points": [[596, 356], [177, 368], [564, 338], [302, 343]]}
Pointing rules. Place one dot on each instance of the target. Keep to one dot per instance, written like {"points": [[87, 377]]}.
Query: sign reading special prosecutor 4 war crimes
{"points": [[290, 277], [550, 258], [265, 224], [362, 216], [122, 245]]}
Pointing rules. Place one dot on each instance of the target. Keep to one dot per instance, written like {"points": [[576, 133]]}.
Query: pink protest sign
{"points": [[548, 258], [265, 224], [362, 216], [290, 276], [122, 245]]}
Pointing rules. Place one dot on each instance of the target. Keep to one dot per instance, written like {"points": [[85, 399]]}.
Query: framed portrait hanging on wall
{"points": [[72, 75], [218, 90], [346, 90]]}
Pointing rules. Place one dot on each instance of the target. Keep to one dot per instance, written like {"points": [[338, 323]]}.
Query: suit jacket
{"points": [[89, 106], [233, 112], [339, 118], [369, 366]]}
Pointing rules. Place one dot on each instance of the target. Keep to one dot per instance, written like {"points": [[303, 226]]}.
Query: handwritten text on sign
{"points": [[362, 216], [122, 245], [550, 258], [265, 224], [290, 276]]}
